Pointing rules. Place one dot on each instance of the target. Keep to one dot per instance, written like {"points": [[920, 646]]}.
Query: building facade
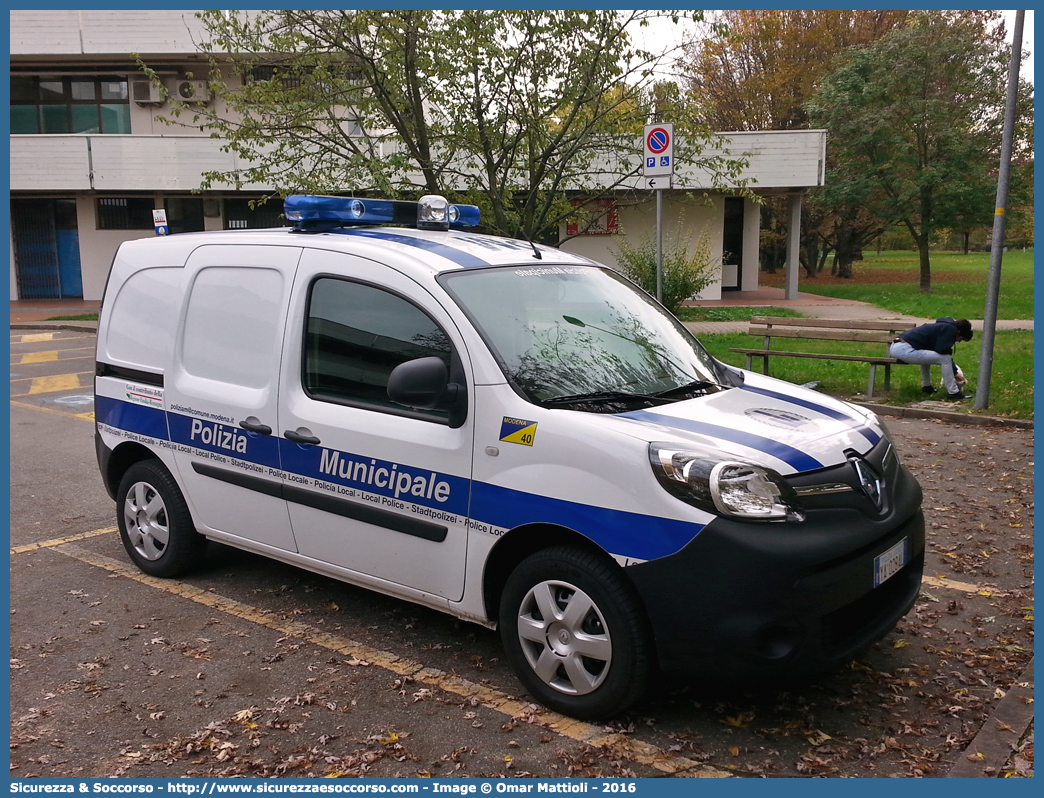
{"points": [[90, 161]]}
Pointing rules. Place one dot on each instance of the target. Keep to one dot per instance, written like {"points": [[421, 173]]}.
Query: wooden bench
{"points": [[874, 332]]}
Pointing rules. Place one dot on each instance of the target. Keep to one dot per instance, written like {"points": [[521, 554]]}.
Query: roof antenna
{"points": [[536, 252]]}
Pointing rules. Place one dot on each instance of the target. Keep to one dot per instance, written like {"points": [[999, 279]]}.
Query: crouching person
{"points": [[932, 345]]}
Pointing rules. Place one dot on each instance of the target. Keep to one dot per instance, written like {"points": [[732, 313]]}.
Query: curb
{"points": [[945, 415], [76, 326], [1002, 731]]}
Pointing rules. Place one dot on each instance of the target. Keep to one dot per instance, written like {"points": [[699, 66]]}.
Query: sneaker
{"points": [[927, 389], [956, 397]]}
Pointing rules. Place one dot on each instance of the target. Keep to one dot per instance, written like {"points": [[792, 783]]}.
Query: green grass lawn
{"points": [[1011, 382], [80, 317], [890, 281]]}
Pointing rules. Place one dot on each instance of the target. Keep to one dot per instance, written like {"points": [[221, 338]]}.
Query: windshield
{"points": [[567, 334]]}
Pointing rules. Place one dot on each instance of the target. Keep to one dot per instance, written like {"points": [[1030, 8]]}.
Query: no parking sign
{"points": [[659, 150]]}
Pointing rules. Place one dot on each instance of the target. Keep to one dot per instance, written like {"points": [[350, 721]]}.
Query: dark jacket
{"points": [[939, 336]]}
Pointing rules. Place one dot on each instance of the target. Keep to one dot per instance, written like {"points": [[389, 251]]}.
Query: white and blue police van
{"points": [[498, 430]]}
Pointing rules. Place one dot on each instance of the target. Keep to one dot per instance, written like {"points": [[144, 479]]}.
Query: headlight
{"points": [[730, 487]]}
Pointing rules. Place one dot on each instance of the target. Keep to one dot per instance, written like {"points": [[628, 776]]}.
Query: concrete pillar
{"points": [[793, 247], [751, 245]]}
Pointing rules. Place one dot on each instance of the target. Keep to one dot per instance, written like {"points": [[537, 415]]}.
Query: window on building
{"points": [[288, 76], [73, 104], [239, 215], [356, 335], [184, 214], [125, 213]]}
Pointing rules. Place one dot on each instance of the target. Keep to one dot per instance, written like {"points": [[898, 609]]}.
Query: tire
{"points": [[575, 633], [154, 521]]}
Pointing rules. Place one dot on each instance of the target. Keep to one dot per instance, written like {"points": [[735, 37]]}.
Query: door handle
{"points": [[301, 437], [251, 424]]}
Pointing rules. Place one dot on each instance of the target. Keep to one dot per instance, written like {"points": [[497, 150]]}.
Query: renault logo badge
{"points": [[869, 481]]}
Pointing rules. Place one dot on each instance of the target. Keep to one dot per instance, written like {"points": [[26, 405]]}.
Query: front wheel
{"points": [[154, 521], [575, 633]]}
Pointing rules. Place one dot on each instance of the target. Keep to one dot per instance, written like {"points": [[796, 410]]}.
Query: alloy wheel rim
{"points": [[564, 637], [146, 521]]}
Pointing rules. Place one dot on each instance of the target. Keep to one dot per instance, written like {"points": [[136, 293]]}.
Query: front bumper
{"points": [[789, 601]]}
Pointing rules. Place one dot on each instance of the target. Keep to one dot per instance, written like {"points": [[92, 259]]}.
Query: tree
{"points": [[759, 75], [915, 123], [514, 111], [763, 66]]}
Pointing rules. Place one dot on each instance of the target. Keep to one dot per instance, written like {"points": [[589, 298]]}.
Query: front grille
{"points": [[824, 489]]}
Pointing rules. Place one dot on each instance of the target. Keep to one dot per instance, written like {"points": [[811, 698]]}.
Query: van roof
{"points": [[425, 250]]}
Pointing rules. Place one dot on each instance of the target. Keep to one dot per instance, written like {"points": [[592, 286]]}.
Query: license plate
{"points": [[886, 565]]}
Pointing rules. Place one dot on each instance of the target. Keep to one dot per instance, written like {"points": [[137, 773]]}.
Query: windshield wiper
{"points": [[689, 387], [605, 396]]}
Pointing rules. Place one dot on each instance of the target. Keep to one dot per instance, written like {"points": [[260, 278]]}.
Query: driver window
{"points": [[356, 335]]}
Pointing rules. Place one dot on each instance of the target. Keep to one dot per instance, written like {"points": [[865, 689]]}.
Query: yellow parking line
{"points": [[52, 355], [68, 348], [57, 382], [84, 416], [47, 544], [588, 733], [39, 357], [964, 587], [30, 379], [54, 336]]}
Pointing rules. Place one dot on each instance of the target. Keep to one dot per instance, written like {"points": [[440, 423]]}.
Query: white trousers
{"points": [[926, 358]]}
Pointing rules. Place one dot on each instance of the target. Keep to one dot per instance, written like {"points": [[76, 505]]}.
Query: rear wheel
{"points": [[575, 633], [154, 521]]}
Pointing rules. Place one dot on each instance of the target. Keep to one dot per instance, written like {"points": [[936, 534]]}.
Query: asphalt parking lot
{"points": [[252, 668]]}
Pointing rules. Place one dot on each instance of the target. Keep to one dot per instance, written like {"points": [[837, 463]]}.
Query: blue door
{"points": [[47, 248], [69, 280]]}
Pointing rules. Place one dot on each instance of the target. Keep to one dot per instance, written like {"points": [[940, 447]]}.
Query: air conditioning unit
{"points": [[145, 92], [193, 91]]}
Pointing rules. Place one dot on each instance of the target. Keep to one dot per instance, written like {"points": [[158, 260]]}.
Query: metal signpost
{"points": [[989, 325], [658, 170]]}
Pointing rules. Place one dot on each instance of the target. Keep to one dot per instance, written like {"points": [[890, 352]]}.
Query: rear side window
{"points": [[233, 326], [356, 335], [142, 319]]}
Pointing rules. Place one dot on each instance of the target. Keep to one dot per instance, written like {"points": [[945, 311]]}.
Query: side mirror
{"points": [[422, 384]]}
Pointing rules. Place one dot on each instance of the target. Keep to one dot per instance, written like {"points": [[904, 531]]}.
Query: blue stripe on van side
{"points": [[224, 439], [397, 481], [795, 458], [625, 534], [465, 259], [856, 424], [148, 421]]}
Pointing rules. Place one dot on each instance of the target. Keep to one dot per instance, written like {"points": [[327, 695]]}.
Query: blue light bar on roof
{"points": [[314, 213], [463, 215]]}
